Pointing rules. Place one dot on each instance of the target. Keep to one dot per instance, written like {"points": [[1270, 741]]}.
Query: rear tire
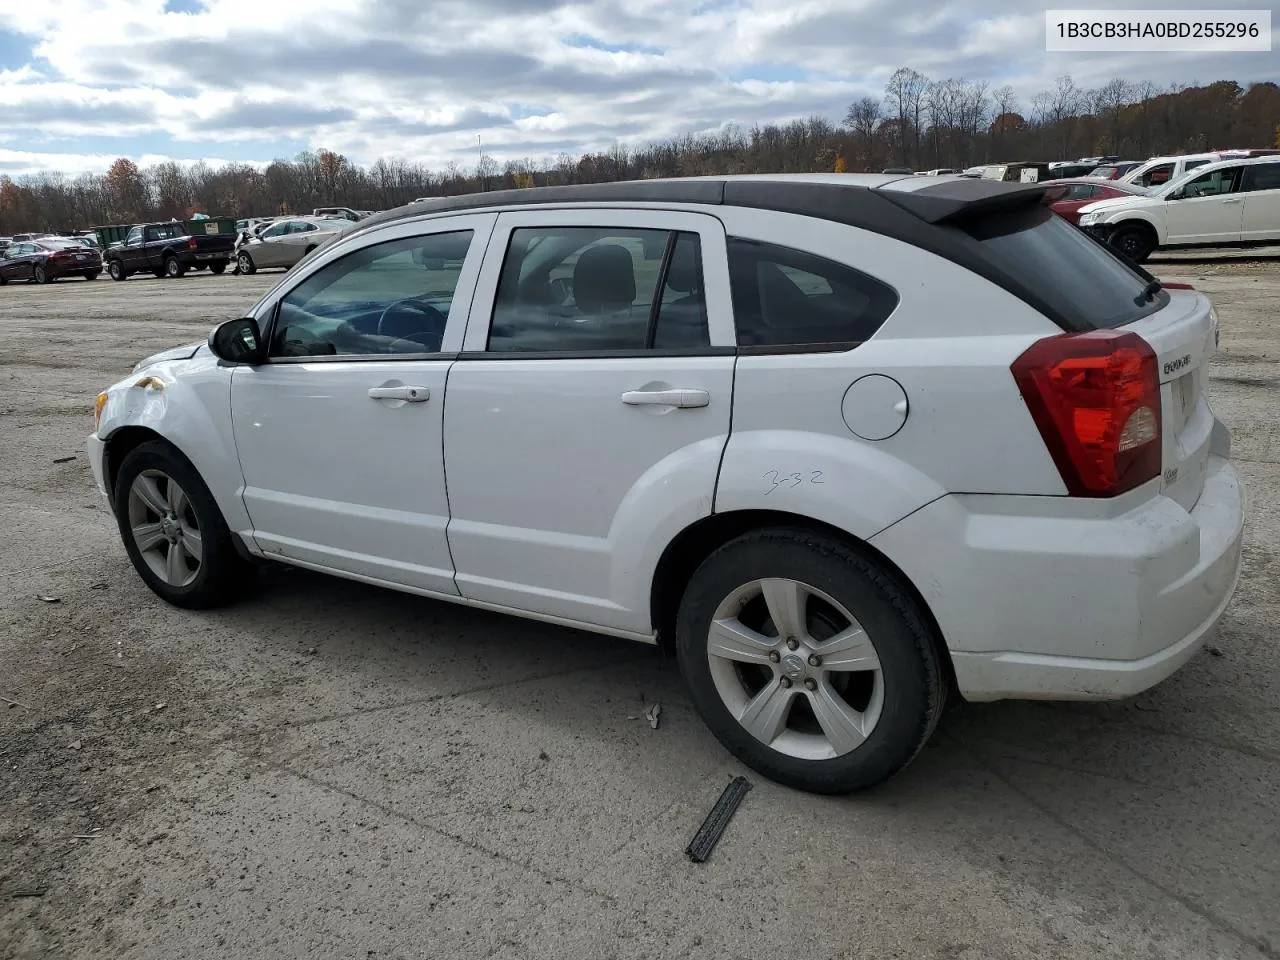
{"points": [[844, 707], [163, 506], [39, 275], [173, 268], [92, 274], [218, 266], [115, 269]]}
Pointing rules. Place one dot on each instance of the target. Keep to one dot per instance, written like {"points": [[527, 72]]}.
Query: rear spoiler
{"points": [[961, 199]]}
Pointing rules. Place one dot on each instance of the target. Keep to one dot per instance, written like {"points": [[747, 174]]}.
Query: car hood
{"points": [[177, 353], [1116, 203]]}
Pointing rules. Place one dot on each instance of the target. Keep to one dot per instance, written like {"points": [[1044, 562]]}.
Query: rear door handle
{"points": [[410, 394], [667, 398], [1231, 200]]}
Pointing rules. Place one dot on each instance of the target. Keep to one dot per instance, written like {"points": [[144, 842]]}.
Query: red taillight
{"points": [[1096, 399], [191, 243], [1176, 286]]}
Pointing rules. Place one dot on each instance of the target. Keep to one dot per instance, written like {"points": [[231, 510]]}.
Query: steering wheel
{"points": [[427, 319]]}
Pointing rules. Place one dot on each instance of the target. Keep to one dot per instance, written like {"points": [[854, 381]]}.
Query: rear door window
{"points": [[783, 297], [1264, 176], [591, 289], [1049, 257]]}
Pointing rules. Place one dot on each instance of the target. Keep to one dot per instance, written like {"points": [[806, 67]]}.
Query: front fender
{"points": [[188, 403], [850, 484], [1123, 218]]}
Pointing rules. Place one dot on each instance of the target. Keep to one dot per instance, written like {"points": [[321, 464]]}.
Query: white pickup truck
{"points": [[1227, 203]]}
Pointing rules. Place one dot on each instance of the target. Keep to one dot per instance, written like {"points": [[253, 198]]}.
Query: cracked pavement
{"points": [[331, 770]]}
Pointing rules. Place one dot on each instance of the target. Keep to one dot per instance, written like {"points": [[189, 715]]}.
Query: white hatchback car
{"points": [[841, 443]]}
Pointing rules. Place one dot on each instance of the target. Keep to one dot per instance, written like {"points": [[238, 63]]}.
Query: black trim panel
{"points": [[597, 354], [764, 350], [362, 358]]}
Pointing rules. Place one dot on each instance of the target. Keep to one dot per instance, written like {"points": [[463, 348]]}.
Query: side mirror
{"points": [[238, 341]]}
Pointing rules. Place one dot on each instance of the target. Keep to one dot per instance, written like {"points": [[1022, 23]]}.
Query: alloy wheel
{"points": [[164, 528], [796, 669]]}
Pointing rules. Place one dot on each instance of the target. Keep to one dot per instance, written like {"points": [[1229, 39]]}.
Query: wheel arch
{"points": [[128, 438], [121, 443], [1135, 221], [686, 552]]}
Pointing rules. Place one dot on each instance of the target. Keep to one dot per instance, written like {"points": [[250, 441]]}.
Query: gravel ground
{"points": [[330, 770]]}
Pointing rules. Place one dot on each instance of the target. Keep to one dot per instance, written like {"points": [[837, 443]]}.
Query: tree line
{"points": [[920, 122]]}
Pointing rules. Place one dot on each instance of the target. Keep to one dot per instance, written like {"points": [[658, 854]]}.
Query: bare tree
{"points": [[904, 94], [862, 119]]}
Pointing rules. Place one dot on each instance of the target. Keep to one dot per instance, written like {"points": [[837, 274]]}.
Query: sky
{"points": [[85, 81]]}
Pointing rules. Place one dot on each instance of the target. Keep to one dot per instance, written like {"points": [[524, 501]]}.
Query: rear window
{"points": [[1062, 265]]}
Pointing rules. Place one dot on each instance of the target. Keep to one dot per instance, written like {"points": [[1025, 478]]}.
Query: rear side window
{"points": [[1265, 176], [783, 297], [1061, 265]]}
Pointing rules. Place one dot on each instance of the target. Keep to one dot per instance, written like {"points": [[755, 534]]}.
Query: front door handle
{"points": [[1231, 200], [667, 398], [409, 394]]}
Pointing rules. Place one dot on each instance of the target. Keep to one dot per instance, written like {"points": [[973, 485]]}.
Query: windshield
{"points": [[1062, 265]]}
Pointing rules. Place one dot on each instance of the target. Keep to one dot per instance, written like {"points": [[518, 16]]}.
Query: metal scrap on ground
{"points": [[712, 829]]}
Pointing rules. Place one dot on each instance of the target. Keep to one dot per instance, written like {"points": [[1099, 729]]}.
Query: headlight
{"points": [[1088, 218], [97, 410]]}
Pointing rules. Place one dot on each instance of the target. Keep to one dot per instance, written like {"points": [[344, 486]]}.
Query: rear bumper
{"points": [[73, 268], [1039, 606]]}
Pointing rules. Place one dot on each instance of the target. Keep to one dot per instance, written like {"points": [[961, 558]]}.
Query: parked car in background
{"points": [[901, 171], [25, 237], [1244, 153], [595, 422], [285, 242], [1019, 172], [938, 172], [1081, 191], [1063, 171], [167, 250], [51, 258], [253, 225], [341, 213], [1162, 170], [1226, 203], [1114, 171]]}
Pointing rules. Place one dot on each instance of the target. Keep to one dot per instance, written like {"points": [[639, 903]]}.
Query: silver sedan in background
{"points": [[285, 242]]}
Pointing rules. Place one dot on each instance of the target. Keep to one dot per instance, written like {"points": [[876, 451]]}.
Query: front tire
{"points": [[1136, 243], [246, 265], [173, 530], [808, 661], [116, 270]]}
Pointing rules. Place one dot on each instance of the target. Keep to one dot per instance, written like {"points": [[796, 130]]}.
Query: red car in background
{"points": [[1078, 191]]}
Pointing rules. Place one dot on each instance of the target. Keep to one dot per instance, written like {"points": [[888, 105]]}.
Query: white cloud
{"points": [[422, 78]]}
